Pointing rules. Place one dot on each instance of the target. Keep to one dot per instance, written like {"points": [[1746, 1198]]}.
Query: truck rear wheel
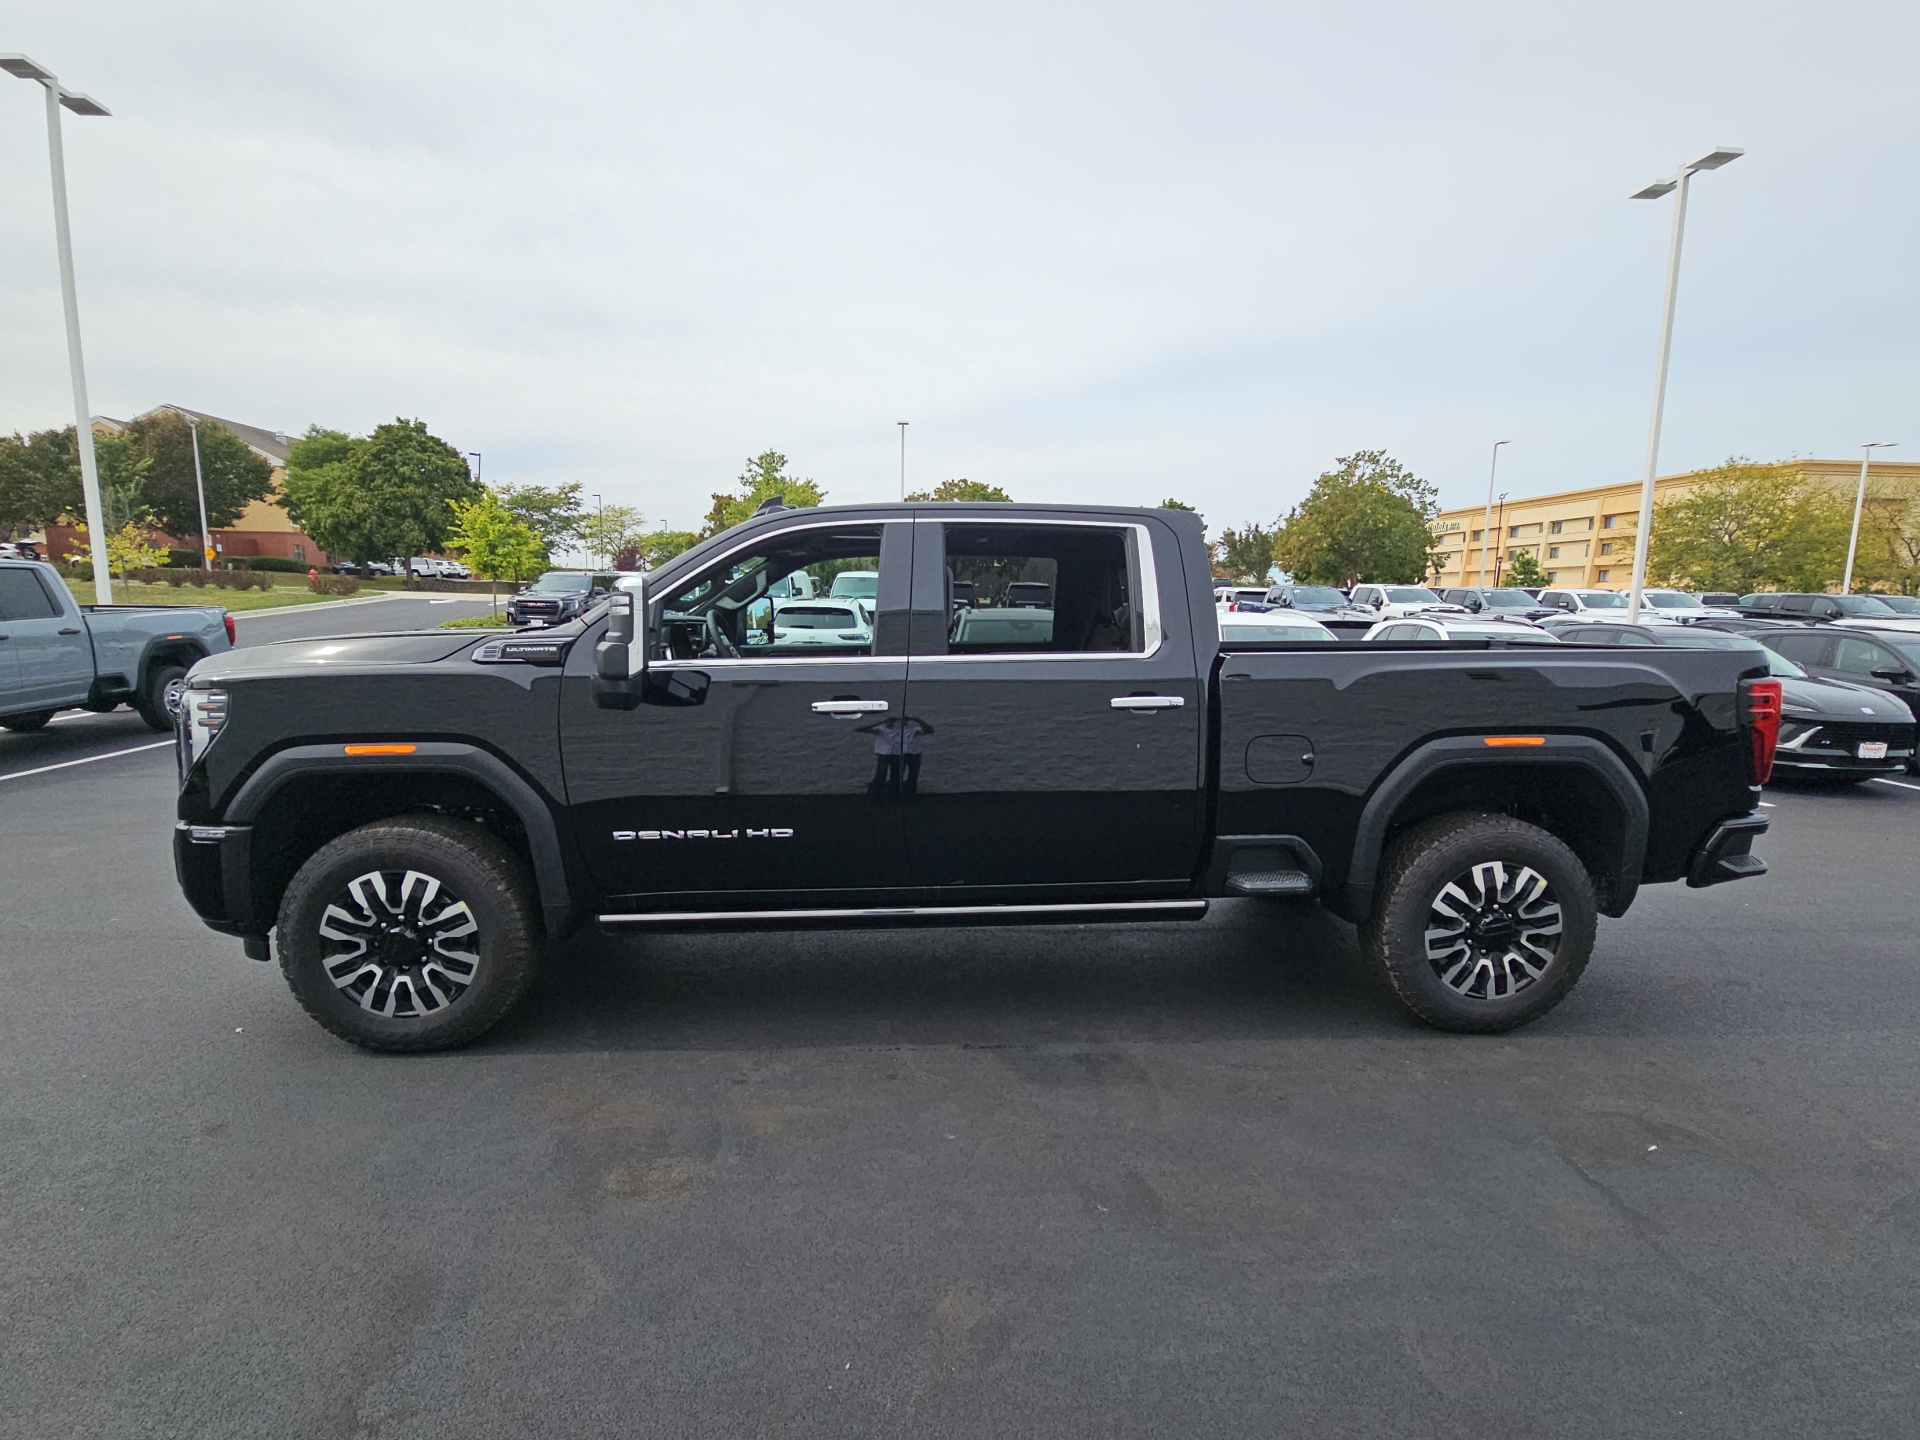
{"points": [[418, 933], [157, 701], [1483, 922]]}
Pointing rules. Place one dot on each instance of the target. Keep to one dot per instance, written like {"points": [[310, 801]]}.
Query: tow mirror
{"points": [[620, 657], [1897, 677]]}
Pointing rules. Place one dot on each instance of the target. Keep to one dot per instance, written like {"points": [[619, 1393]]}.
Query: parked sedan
{"points": [[1828, 729]]}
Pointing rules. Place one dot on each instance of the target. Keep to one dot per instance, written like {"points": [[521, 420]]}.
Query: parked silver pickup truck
{"points": [[55, 654]]}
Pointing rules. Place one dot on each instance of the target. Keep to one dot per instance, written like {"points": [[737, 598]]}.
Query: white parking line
{"points": [[1768, 804], [1901, 783], [87, 760]]}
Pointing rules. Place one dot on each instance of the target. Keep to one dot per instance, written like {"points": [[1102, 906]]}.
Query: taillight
{"points": [[1760, 713], [232, 639]]}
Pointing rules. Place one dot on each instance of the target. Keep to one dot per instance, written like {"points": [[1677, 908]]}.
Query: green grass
{"points": [[495, 621], [274, 599]]}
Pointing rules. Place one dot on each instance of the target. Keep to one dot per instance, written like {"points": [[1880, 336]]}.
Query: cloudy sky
{"points": [[1091, 251]]}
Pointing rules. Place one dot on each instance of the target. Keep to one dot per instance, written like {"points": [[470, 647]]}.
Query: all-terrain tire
{"points": [[154, 703], [382, 888], [1529, 919], [32, 720]]}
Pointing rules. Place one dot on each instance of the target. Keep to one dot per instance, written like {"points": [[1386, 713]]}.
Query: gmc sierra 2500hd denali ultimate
{"points": [[412, 817]]}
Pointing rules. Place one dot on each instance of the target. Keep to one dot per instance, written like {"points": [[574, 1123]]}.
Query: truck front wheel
{"points": [[418, 933], [1482, 923]]}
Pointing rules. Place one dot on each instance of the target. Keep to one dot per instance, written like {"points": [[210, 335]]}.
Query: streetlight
{"points": [[600, 531], [200, 490], [1486, 525], [25, 69], [1712, 160], [476, 465], [1859, 503], [903, 457]]}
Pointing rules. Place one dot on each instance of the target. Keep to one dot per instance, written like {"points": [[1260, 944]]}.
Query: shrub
{"points": [[334, 585]]}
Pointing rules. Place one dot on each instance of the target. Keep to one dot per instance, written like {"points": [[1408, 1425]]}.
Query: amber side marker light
{"points": [[379, 749], [1502, 741]]}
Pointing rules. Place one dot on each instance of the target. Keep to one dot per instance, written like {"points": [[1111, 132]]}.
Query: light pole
{"points": [[200, 491], [26, 69], [1486, 525], [1712, 160], [600, 522], [1500, 526], [903, 457], [476, 466], [1859, 504]]}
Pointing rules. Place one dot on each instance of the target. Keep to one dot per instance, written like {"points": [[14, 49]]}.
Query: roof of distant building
{"points": [[272, 444]]}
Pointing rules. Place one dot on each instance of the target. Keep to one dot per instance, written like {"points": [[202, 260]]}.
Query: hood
{"points": [[1835, 701], [345, 652]]}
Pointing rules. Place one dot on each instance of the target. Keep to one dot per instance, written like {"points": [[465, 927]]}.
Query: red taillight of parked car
{"points": [[1761, 715], [232, 639]]}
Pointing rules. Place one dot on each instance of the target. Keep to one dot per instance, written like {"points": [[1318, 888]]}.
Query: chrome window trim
{"points": [[1152, 633]]}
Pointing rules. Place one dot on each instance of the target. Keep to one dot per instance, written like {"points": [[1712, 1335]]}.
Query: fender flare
{"points": [[1591, 755], [190, 646], [533, 812]]}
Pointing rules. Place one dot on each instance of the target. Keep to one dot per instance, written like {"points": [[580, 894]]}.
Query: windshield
{"points": [[1411, 595], [1863, 605], [1519, 599], [1671, 600], [1317, 595], [1601, 599], [858, 584], [1695, 638], [556, 582]]}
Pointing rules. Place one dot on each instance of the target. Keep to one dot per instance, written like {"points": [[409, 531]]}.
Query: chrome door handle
{"points": [[1147, 702], [851, 707]]}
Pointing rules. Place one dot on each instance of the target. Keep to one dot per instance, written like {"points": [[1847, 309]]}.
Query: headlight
{"points": [[202, 715]]}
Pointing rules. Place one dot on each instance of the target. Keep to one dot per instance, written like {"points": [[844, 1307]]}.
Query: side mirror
{"points": [[619, 663], [1897, 677]]}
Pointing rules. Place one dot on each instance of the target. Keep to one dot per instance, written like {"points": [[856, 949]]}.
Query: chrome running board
{"points": [[1171, 909]]}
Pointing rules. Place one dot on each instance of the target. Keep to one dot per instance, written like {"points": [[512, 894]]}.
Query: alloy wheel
{"points": [[400, 943], [1493, 931]]}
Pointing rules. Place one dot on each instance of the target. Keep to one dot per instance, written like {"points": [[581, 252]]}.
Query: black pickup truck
{"points": [[413, 817]]}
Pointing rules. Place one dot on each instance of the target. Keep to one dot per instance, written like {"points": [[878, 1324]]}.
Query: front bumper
{"points": [[211, 863], [1727, 853]]}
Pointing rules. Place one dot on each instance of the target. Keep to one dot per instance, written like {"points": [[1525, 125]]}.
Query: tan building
{"points": [[263, 528], [1584, 538]]}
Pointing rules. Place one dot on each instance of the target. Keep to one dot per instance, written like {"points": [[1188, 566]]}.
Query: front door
{"points": [[1052, 735], [52, 658], [748, 776]]}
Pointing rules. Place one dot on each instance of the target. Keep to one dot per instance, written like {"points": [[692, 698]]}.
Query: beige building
{"points": [[1584, 538]]}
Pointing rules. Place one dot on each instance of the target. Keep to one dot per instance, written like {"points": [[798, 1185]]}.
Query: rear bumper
{"points": [[211, 863], [1727, 853]]}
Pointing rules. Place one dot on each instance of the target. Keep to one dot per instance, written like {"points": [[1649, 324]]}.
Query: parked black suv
{"points": [[413, 817], [556, 596], [1489, 600]]}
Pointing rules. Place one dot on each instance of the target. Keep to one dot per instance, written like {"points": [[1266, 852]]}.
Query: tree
{"points": [[657, 547], [127, 549], [1524, 571], [1750, 527], [1367, 520], [1889, 554], [1243, 556], [765, 477], [235, 476], [613, 534], [494, 542], [379, 496], [1176, 505], [40, 480], [553, 512], [961, 490]]}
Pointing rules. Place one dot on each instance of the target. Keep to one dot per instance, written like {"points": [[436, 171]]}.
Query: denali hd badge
{"points": [[775, 833]]}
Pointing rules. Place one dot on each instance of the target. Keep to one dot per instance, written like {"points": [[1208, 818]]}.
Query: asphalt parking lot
{"points": [[1151, 1180]]}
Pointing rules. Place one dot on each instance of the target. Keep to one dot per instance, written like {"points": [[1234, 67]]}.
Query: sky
{"points": [[1091, 252]]}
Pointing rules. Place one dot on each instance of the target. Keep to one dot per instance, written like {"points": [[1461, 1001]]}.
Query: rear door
{"points": [[748, 777], [53, 661], [1058, 747]]}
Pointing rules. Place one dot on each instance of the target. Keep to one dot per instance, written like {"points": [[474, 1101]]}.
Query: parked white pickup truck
{"points": [[55, 655]]}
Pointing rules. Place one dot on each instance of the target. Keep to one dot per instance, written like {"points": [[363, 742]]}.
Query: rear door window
{"points": [[1043, 589]]}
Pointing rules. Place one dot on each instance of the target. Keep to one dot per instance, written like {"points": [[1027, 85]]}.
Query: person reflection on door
{"points": [[896, 757]]}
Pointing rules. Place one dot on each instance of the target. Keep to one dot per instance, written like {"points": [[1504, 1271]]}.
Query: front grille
{"points": [[1828, 741]]}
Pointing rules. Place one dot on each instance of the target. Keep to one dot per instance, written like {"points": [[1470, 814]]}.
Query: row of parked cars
{"points": [[1849, 665], [421, 567]]}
